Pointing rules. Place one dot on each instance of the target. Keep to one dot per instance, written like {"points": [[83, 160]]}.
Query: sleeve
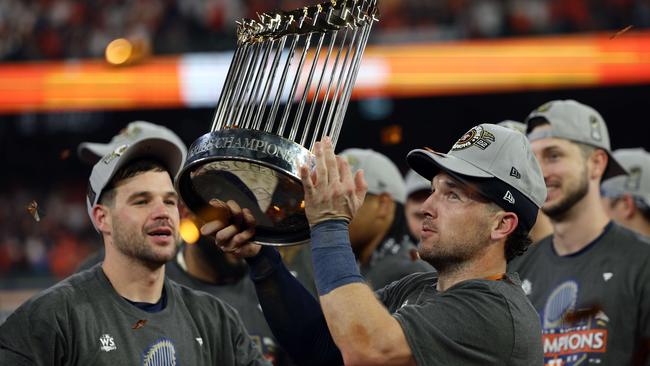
{"points": [[643, 291], [293, 314], [458, 327], [32, 336]]}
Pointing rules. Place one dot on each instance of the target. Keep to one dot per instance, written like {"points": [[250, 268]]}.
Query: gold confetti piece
{"points": [[139, 324], [621, 31], [33, 210]]}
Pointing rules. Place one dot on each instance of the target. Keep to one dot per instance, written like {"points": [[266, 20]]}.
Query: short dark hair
{"points": [[517, 242], [131, 169]]}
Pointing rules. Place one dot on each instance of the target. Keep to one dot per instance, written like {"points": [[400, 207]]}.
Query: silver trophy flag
{"points": [[288, 86]]}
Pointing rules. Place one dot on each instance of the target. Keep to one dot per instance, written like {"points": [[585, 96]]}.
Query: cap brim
{"points": [[429, 163], [91, 152], [614, 168]]}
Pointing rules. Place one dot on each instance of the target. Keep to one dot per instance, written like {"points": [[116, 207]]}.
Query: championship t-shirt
{"points": [[594, 305], [83, 321]]}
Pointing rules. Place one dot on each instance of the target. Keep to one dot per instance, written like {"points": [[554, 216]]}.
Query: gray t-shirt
{"points": [[83, 321], [475, 322], [395, 258], [594, 305], [240, 295]]}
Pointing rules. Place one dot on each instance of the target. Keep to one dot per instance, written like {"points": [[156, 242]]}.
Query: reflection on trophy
{"points": [[288, 85]]}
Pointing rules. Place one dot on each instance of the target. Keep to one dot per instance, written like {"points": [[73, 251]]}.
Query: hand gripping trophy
{"points": [[288, 86]]}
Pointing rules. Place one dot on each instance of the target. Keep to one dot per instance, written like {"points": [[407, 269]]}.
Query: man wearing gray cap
{"points": [[125, 312], [199, 265], [418, 190], [590, 280], [486, 193], [627, 198]]}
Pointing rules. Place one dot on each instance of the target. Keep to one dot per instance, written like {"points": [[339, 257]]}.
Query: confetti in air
{"points": [[621, 32], [33, 210]]}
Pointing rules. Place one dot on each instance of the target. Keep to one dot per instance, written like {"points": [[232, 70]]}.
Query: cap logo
{"points": [[477, 136], [633, 181], [115, 153], [595, 128], [508, 197], [515, 173]]}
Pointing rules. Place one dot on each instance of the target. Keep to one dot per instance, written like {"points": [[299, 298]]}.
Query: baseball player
{"points": [[627, 198], [200, 266], [472, 312], [417, 191], [590, 280], [125, 312]]}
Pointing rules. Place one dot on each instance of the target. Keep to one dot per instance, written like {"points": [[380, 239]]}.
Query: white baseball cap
{"points": [[91, 152], [171, 154], [577, 122], [637, 182], [490, 151], [513, 125], [380, 172], [416, 183]]}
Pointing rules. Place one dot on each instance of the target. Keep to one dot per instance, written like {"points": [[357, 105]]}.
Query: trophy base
{"points": [[259, 171]]}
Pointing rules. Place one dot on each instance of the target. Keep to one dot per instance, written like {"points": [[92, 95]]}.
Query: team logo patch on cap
{"points": [[115, 153], [477, 136], [595, 128], [633, 181]]}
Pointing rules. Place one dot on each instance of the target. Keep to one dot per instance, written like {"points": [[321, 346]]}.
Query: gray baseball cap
{"points": [[576, 122], [167, 152], [380, 172], [514, 125], [637, 182], [416, 183], [91, 152], [499, 161]]}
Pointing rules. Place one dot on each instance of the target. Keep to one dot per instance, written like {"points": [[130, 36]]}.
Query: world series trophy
{"points": [[281, 95]]}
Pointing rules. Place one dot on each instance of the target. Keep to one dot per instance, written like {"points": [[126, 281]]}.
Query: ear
{"points": [[505, 224], [102, 218], [597, 164], [629, 207], [385, 205]]}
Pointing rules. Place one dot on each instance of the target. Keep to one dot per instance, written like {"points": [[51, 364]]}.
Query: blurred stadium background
{"points": [[432, 70]]}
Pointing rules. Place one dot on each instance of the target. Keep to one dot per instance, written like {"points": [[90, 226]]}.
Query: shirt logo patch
{"points": [[199, 340], [161, 353], [527, 286], [607, 276], [107, 343]]}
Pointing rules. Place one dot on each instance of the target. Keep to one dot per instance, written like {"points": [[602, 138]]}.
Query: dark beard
{"points": [[228, 271], [445, 265], [559, 211]]}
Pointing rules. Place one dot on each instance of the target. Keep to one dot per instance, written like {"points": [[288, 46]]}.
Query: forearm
{"points": [[361, 326], [292, 313]]}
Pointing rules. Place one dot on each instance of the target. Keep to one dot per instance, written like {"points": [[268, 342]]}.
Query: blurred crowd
{"points": [[56, 29], [46, 235]]}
